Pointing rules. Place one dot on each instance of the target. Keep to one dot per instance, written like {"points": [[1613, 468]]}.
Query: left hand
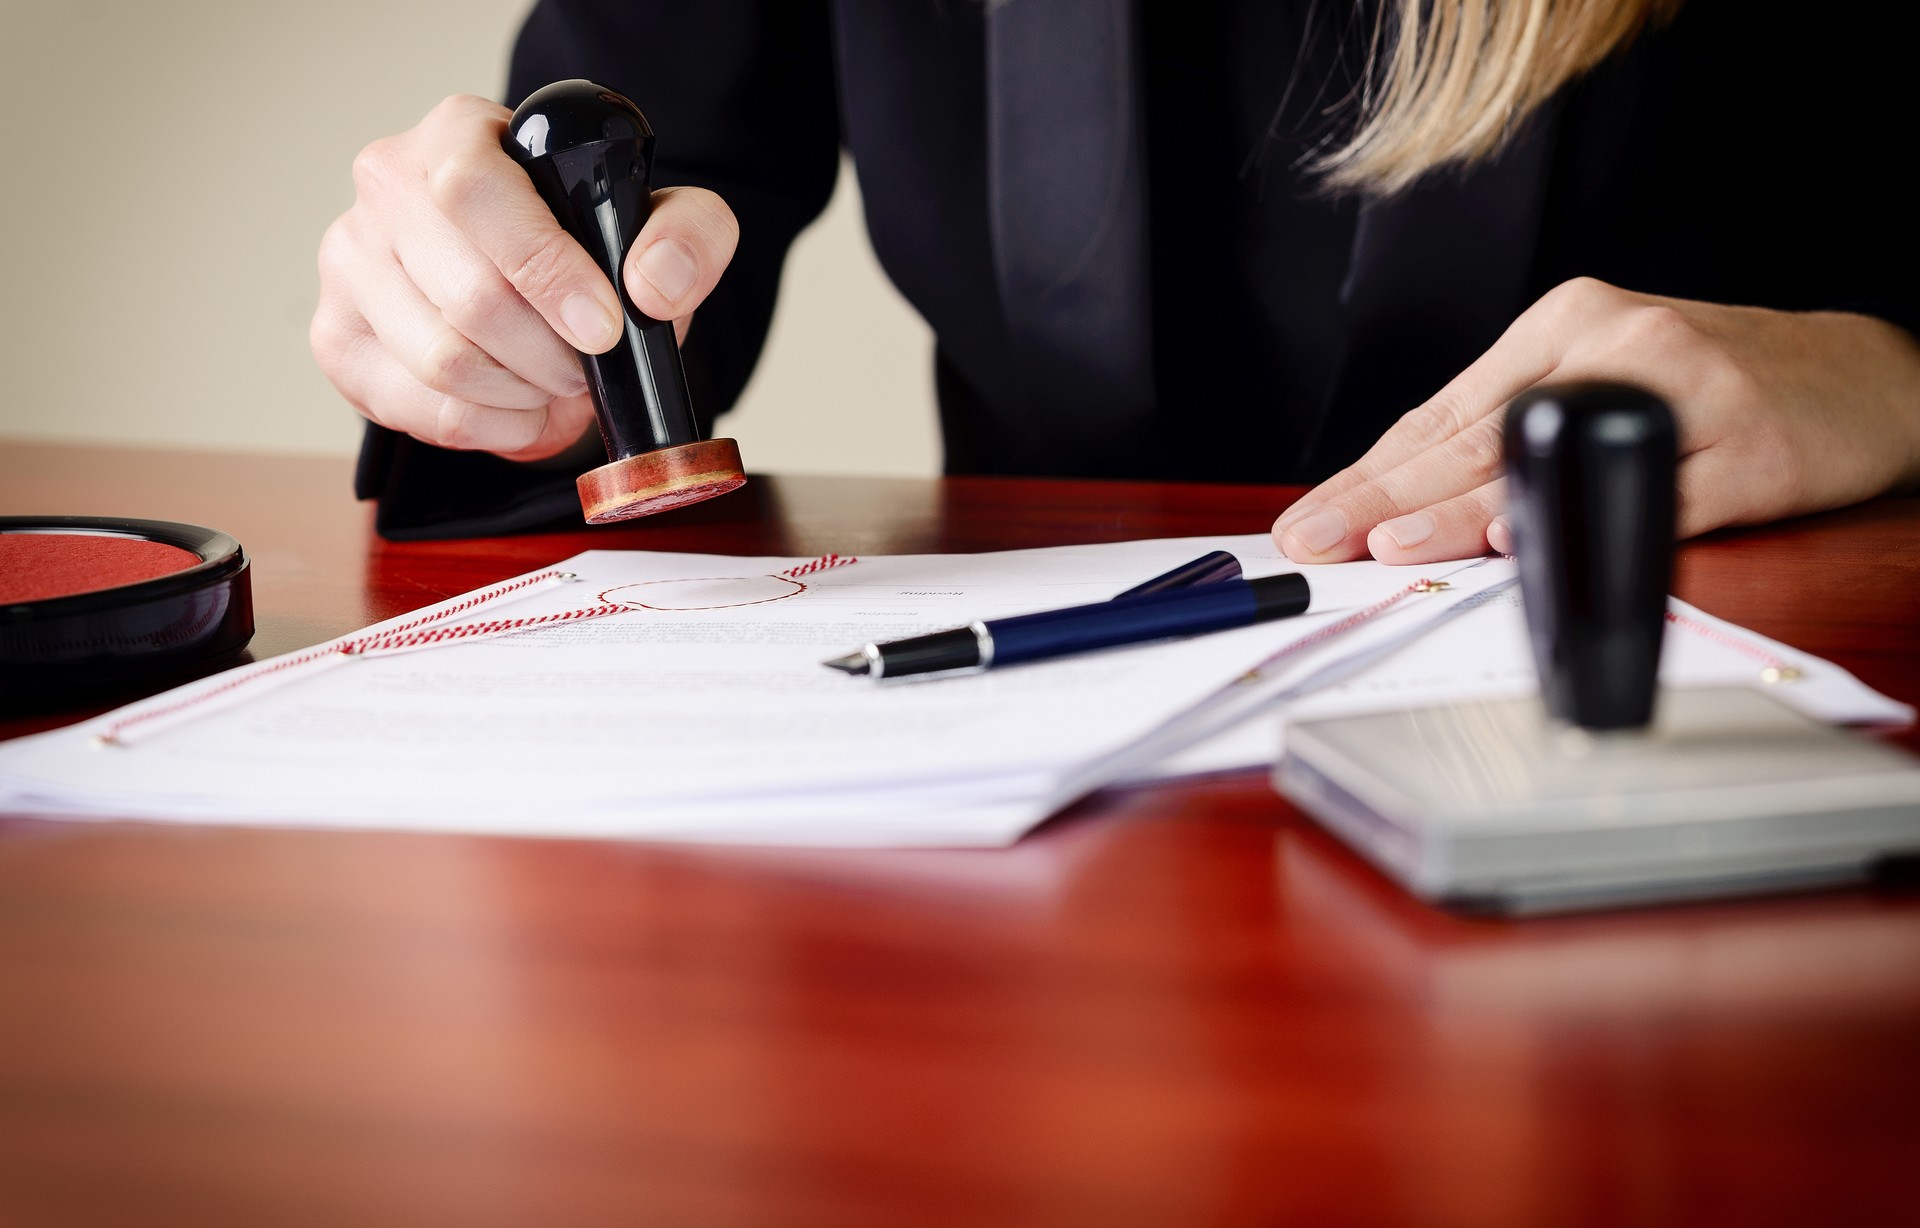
{"points": [[1779, 413]]}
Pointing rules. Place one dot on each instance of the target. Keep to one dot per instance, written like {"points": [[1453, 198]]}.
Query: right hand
{"points": [[452, 304]]}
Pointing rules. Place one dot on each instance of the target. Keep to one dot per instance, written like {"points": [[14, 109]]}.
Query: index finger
{"points": [[486, 196], [1526, 353]]}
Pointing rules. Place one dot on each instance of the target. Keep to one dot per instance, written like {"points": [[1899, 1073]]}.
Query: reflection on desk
{"points": [[1175, 1004]]}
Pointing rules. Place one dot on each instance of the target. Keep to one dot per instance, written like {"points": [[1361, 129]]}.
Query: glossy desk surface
{"points": [[1174, 1005]]}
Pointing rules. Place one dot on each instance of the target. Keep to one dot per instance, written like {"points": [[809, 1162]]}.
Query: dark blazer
{"points": [[1008, 155]]}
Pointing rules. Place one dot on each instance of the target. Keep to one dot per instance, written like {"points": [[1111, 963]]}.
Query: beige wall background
{"points": [[172, 166]]}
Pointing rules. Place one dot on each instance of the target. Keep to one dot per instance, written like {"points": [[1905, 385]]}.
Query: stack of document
{"points": [[700, 710]]}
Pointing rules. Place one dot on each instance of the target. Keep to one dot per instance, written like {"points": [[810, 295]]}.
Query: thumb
{"points": [[681, 252]]}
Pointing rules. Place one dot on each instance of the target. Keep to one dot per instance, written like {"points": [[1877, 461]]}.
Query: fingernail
{"points": [[1409, 531], [1500, 535], [588, 321], [669, 268], [1321, 531]]}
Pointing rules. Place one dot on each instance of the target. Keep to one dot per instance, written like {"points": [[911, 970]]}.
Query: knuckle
{"points": [[1662, 319], [477, 306], [373, 166], [457, 181], [1477, 508], [1480, 450], [449, 363], [701, 208], [454, 115], [466, 427], [448, 108], [455, 425], [1371, 502], [329, 337], [1655, 326], [1580, 299], [487, 312], [719, 224], [540, 272], [459, 108], [1438, 420], [1588, 292], [337, 252]]}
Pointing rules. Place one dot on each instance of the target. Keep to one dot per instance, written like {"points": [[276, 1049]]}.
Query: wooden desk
{"points": [[1176, 1005]]}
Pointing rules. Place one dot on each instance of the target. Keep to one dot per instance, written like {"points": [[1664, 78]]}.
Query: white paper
{"points": [[704, 713]]}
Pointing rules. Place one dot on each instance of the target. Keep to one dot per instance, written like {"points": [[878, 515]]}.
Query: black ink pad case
{"points": [[90, 604]]}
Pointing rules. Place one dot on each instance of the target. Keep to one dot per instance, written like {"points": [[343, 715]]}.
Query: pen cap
{"points": [[1590, 491], [589, 152]]}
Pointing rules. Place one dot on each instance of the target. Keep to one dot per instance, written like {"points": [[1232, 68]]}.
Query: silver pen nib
{"points": [[854, 663]]}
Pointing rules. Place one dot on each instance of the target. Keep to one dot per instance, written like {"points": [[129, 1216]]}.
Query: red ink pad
{"points": [[89, 603]]}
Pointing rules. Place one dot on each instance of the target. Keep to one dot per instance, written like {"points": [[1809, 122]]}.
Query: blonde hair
{"points": [[1457, 77]]}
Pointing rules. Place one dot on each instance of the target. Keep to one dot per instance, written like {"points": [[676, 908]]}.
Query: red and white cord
{"points": [[1335, 629], [424, 631], [1773, 667], [826, 562]]}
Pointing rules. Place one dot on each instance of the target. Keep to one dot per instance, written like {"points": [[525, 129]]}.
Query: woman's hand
{"points": [[452, 304], [1779, 413]]}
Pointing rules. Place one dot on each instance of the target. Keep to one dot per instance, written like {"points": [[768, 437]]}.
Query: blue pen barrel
{"points": [[1135, 620], [1209, 568], [1221, 606]]}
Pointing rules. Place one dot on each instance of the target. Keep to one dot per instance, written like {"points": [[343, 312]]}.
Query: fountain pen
{"points": [[1177, 613]]}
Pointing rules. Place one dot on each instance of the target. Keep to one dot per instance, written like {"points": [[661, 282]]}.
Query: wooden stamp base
{"points": [[657, 481]]}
